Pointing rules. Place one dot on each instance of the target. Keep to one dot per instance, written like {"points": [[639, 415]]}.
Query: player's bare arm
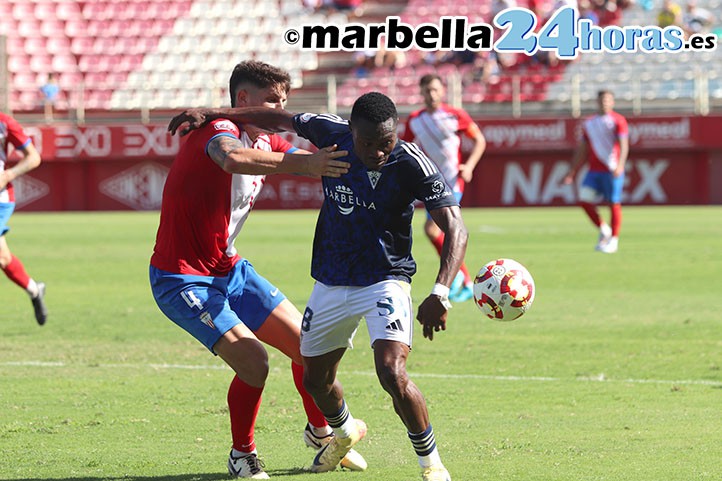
{"points": [[623, 153], [580, 153], [266, 119], [433, 310], [30, 160], [230, 155], [466, 170]]}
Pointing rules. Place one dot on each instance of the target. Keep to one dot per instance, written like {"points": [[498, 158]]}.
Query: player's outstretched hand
{"points": [[432, 316], [324, 163], [195, 119]]}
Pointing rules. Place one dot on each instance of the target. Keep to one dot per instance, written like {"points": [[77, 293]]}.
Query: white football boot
{"points": [[435, 473], [605, 234], [610, 247], [332, 453], [248, 466], [352, 461]]}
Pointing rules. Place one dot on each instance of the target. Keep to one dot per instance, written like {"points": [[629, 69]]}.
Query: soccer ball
{"points": [[503, 290]]}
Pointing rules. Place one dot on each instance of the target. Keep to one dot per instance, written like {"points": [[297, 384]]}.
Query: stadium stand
{"points": [[159, 54]]}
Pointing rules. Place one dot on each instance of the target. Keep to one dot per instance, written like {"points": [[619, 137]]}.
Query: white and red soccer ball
{"points": [[503, 290]]}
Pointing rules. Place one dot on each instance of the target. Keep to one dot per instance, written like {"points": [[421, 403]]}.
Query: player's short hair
{"points": [[601, 93], [428, 78], [258, 74], [374, 107]]}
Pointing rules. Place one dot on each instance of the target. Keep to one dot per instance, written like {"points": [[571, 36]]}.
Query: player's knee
{"points": [[249, 360], [5, 258], [393, 378]]}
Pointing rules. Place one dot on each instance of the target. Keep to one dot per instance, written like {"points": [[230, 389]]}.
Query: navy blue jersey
{"points": [[363, 232]]}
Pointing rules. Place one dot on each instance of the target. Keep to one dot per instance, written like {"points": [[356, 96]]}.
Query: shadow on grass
{"points": [[178, 477]]}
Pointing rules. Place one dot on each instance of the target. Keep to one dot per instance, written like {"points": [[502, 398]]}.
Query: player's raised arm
{"points": [[267, 119], [433, 310], [230, 155]]}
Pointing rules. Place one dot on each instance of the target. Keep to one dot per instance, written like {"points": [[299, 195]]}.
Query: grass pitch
{"points": [[614, 374]]}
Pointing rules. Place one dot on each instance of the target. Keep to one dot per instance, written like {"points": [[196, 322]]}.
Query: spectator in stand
{"points": [[353, 8], [364, 61], [696, 19], [587, 12], [391, 59], [669, 15], [498, 5], [610, 11], [49, 93]]}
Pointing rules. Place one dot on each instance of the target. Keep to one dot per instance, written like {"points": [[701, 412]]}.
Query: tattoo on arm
{"points": [[221, 147]]}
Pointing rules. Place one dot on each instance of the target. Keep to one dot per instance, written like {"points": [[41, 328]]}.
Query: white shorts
{"points": [[333, 314]]}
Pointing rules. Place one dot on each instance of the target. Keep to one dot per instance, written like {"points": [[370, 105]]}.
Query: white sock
{"points": [[321, 432], [343, 424], [432, 459], [32, 289], [237, 454], [424, 444]]}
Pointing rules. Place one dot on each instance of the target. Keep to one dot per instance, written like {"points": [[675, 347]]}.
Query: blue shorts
{"points": [[457, 195], [208, 307], [606, 185], [6, 210]]}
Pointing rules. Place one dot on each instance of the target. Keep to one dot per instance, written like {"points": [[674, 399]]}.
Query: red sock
{"points": [[616, 219], [591, 211], [438, 243], [243, 403], [314, 415], [465, 271], [16, 272]]}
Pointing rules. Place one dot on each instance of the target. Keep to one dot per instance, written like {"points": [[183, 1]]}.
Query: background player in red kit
{"points": [[604, 144], [12, 133], [437, 129], [201, 283]]}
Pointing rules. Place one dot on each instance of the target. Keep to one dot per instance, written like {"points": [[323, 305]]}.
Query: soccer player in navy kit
{"points": [[362, 263]]}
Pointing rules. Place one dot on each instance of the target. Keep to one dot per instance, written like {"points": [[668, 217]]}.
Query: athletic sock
{"points": [[343, 424], [237, 454], [591, 211], [465, 272], [313, 414], [424, 444], [616, 219], [15, 271], [32, 289], [244, 401]]}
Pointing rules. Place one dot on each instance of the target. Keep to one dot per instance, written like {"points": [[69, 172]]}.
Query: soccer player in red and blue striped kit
{"points": [[199, 280], [12, 133], [438, 129], [604, 143]]}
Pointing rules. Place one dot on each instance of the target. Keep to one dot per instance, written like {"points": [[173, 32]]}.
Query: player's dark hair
{"points": [[601, 93], [258, 74], [374, 107], [428, 78]]}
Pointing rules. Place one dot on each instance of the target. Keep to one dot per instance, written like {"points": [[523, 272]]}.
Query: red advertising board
{"points": [[673, 160]]}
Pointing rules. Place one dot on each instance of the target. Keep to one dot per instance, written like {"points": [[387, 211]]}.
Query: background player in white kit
{"points": [[438, 130], [202, 284]]}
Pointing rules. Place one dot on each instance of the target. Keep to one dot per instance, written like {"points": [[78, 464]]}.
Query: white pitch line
{"points": [[484, 377]]}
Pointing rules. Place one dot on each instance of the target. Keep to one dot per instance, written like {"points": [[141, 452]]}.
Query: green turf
{"points": [[614, 374]]}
